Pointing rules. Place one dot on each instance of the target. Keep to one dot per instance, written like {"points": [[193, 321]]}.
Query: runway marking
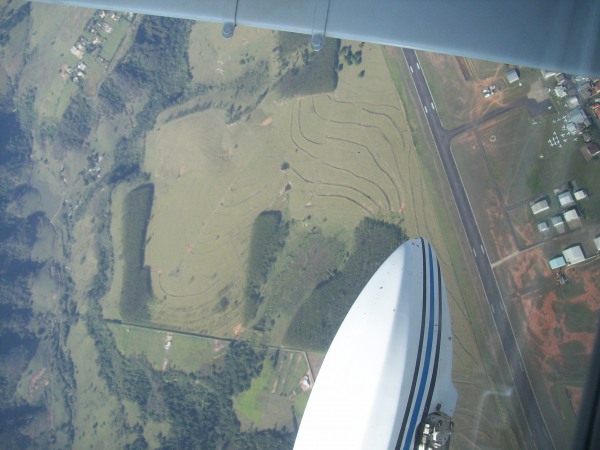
{"points": [[482, 249], [418, 66], [425, 108], [474, 252], [432, 106], [492, 306], [411, 69]]}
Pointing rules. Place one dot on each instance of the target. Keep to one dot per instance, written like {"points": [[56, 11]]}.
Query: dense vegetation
{"points": [[317, 71], [76, 123], [156, 70], [136, 290], [111, 98], [319, 318], [198, 408], [11, 19], [20, 329], [269, 232]]}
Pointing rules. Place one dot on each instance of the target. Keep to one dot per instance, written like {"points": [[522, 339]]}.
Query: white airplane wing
{"points": [[562, 35]]}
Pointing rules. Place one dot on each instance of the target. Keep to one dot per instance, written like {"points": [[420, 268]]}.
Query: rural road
{"points": [[442, 137]]}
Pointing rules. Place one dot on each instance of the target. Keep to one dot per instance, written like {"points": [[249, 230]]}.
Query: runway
{"points": [[443, 137]]}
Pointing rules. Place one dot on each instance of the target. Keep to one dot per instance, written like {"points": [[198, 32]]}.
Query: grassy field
{"points": [[458, 100], [478, 363], [54, 35], [527, 174], [97, 413], [491, 220], [268, 402], [347, 157], [187, 353]]}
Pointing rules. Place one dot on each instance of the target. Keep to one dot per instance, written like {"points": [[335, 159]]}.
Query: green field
{"points": [[345, 162], [275, 395], [187, 353]]}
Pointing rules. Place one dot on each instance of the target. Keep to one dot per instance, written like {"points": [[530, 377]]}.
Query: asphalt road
{"points": [[442, 137]]}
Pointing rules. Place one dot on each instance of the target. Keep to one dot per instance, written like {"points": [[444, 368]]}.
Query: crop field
{"points": [[491, 219]]}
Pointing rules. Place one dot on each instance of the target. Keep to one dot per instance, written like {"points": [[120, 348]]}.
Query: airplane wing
{"points": [[561, 35]]}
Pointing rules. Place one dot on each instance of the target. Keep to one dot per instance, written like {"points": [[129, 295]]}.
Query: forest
{"points": [[315, 73], [136, 291], [155, 69], [20, 330], [269, 232], [319, 317]]}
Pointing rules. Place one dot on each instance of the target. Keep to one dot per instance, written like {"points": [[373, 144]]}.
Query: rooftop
{"points": [[571, 215], [565, 198], [539, 206], [557, 262], [573, 255]]}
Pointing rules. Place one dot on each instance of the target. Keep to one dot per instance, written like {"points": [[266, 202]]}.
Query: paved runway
{"points": [[442, 137]]}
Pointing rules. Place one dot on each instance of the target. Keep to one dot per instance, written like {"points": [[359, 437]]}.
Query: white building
{"points": [[580, 194], [542, 226], [540, 206], [512, 76], [560, 91], [571, 215], [565, 199], [573, 255]]}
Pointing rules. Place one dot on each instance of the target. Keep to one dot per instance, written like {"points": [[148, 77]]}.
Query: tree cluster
{"points": [[269, 232], [318, 319]]}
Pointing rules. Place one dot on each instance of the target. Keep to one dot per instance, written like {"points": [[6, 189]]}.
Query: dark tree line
{"points": [[269, 232], [318, 319]]}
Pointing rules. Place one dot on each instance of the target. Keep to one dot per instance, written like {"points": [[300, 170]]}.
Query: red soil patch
{"points": [[544, 329], [504, 241]]}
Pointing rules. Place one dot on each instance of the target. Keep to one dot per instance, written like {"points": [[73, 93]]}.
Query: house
{"points": [[540, 206], [596, 110], [589, 150], [578, 116], [512, 76], [580, 194], [572, 128], [571, 215], [572, 102], [548, 73], [556, 221], [573, 255], [542, 226], [560, 91], [565, 199], [557, 262]]}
